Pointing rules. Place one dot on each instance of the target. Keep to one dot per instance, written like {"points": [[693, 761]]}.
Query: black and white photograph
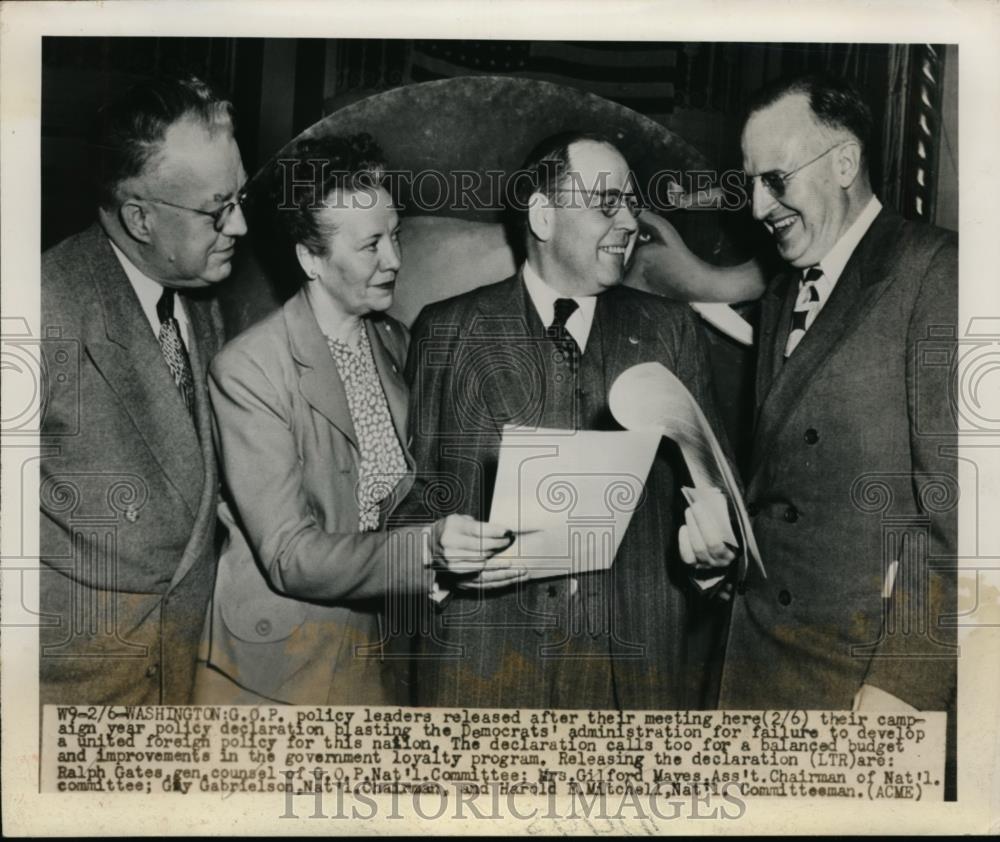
{"points": [[440, 423]]}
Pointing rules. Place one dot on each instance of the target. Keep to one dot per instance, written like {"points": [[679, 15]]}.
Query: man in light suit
{"points": [[542, 349], [852, 483], [128, 476]]}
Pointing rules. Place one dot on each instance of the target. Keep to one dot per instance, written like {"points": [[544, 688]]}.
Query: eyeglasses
{"points": [[776, 182], [219, 216], [609, 202]]}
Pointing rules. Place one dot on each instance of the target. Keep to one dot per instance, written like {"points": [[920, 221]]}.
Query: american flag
{"points": [[639, 76]]}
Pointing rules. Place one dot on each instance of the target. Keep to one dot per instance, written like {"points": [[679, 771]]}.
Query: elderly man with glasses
{"points": [[128, 476], [542, 349], [852, 483]]}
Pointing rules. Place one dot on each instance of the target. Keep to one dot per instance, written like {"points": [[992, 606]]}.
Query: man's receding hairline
{"points": [[221, 125], [822, 127]]}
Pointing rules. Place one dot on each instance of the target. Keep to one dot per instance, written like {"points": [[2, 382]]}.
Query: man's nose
{"points": [[236, 224], [627, 219], [761, 200]]}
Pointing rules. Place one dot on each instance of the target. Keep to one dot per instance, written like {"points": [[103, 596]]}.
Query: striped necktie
{"points": [[174, 352], [807, 305]]}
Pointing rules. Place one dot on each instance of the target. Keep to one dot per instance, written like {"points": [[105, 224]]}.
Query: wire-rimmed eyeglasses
{"points": [[609, 202], [776, 182], [219, 216]]}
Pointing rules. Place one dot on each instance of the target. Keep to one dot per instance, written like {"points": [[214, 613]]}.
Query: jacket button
{"points": [[742, 588], [811, 436], [263, 627], [753, 509], [791, 514], [784, 597], [152, 671]]}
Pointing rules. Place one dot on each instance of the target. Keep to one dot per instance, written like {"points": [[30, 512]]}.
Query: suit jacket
{"points": [[853, 469], [296, 612], [477, 361], [128, 489]]}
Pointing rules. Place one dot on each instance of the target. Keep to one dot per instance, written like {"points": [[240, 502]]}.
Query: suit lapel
{"points": [[775, 320], [626, 334], [320, 382], [505, 331], [862, 282], [203, 341], [390, 373], [128, 355]]}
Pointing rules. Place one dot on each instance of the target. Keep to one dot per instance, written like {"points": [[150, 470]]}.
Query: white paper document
{"points": [[649, 397], [569, 495]]}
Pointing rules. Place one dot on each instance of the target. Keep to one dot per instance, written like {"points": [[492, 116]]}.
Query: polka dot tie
{"points": [[174, 352]]}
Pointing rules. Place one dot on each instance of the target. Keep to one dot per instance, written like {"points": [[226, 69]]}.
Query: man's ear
{"points": [[307, 260], [848, 163], [136, 221], [540, 216]]}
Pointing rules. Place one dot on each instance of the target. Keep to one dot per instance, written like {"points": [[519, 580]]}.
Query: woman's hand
{"points": [[462, 546]]}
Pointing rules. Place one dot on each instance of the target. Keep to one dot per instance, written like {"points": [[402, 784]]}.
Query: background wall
{"points": [[282, 86]]}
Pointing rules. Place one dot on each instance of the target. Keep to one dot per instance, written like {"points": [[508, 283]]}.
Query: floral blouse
{"points": [[383, 464]]}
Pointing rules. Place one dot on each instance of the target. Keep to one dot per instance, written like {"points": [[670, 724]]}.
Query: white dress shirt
{"points": [[836, 259], [149, 292], [544, 298]]}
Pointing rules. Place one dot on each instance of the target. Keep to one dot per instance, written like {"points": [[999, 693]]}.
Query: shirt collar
{"points": [[544, 298], [836, 259], [148, 292]]}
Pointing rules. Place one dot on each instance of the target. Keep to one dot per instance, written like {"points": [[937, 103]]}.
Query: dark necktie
{"points": [[564, 308], [174, 352], [806, 307]]}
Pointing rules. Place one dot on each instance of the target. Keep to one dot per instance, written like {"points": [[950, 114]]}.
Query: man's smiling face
{"points": [[810, 217], [589, 247]]}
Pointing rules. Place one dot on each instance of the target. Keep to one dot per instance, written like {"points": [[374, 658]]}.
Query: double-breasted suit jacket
{"points": [[852, 486], [128, 489], [300, 592], [634, 636]]}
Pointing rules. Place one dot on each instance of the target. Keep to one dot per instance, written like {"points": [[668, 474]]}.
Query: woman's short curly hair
{"points": [[316, 167]]}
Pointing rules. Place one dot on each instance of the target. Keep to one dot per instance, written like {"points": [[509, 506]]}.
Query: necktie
{"points": [[173, 348], [564, 308], [806, 307]]}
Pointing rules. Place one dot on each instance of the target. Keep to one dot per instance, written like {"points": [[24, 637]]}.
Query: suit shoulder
{"points": [[395, 336], [649, 303], [259, 344], [68, 292], [467, 301]]}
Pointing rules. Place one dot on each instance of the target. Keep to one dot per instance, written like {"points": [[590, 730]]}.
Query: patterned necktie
{"points": [[806, 307], [564, 308], [174, 352]]}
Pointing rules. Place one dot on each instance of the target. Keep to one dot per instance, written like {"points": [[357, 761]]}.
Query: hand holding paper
{"points": [[461, 546], [706, 538], [649, 396]]}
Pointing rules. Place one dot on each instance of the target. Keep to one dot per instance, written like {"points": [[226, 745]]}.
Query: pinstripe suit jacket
{"points": [[476, 363]]}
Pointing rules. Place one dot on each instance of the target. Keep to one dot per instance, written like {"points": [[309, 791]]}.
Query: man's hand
{"points": [[704, 537], [462, 546]]}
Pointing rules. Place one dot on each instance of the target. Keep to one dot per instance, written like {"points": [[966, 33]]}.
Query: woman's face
{"points": [[358, 272]]}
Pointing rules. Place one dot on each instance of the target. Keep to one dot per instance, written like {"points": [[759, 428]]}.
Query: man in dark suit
{"points": [[542, 349], [128, 477], [852, 484]]}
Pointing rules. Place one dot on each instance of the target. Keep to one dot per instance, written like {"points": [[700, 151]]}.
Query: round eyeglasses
{"points": [[776, 182], [219, 216], [609, 202]]}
